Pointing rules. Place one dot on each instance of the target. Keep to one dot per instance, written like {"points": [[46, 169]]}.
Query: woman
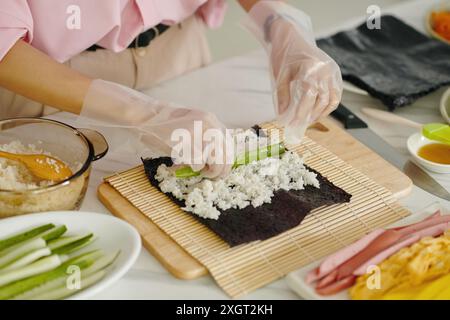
{"points": [[84, 56]]}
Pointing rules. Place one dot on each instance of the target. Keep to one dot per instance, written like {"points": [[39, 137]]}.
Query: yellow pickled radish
{"points": [[400, 295], [444, 295], [433, 289]]}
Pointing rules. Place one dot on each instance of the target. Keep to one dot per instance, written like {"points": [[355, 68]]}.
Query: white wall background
{"points": [[231, 39]]}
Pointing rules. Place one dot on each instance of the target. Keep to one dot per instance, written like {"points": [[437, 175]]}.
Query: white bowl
{"points": [[443, 6], [417, 141], [445, 105]]}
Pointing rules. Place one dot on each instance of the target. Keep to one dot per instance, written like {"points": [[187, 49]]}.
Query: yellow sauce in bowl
{"points": [[435, 152]]}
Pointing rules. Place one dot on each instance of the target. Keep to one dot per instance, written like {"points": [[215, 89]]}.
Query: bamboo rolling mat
{"points": [[241, 269]]}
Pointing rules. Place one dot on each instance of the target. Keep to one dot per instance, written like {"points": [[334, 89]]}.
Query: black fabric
{"points": [[143, 40], [287, 210], [396, 64]]}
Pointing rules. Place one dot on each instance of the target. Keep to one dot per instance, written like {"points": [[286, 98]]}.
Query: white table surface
{"points": [[238, 91]]}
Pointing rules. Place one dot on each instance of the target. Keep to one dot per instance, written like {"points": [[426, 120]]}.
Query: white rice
{"points": [[253, 184], [13, 174]]}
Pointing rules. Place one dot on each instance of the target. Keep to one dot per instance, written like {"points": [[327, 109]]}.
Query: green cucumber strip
{"points": [[40, 266], [54, 233], [17, 251], [91, 256], [186, 172], [79, 245], [64, 292], [83, 261], [260, 153], [23, 245], [63, 241], [27, 259], [47, 286], [101, 264], [24, 235], [73, 245]]}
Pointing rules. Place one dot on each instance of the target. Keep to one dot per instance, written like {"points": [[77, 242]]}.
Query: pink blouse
{"points": [[64, 28]]}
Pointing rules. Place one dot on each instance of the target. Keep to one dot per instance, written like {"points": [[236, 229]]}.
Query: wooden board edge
{"points": [[404, 193], [328, 128], [179, 263]]}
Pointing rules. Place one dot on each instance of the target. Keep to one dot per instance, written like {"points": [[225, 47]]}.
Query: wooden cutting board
{"points": [[329, 134]]}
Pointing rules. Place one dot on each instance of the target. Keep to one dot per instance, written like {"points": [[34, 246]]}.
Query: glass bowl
{"points": [[78, 148]]}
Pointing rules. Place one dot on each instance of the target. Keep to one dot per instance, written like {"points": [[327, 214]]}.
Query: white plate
{"points": [[417, 141], [111, 234], [296, 279]]}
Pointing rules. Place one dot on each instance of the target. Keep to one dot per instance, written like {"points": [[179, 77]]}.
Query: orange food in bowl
{"points": [[435, 152], [441, 23]]}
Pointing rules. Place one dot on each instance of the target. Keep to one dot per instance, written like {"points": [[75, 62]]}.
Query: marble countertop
{"points": [[238, 91]]}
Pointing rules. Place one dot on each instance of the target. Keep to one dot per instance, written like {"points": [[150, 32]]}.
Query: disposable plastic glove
{"points": [[153, 122], [306, 82]]}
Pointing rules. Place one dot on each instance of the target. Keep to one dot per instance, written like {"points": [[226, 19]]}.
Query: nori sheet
{"points": [[287, 210], [396, 64]]}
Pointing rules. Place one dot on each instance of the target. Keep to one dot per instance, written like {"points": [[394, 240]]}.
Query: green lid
{"points": [[437, 132]]}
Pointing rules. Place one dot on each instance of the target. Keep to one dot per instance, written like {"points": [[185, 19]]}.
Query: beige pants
{"points": [[180, 49]]}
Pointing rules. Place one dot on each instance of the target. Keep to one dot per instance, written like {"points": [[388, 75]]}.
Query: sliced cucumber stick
{"points": [[74, 245], [24, 235], [64, 292], [83, 261], [13, 253], [100, 264], [40, 266], [67, 244], [62, 241], [54, 233], [27, 259], [260, 153]]}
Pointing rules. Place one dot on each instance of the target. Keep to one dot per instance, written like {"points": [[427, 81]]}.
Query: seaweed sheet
{"points": [[287, 210], [396, 64]]}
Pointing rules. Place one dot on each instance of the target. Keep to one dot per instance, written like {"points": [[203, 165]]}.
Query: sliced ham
{"points": [[327, 280], [433, 231], [435, 215], [385, 241], [339, 257], [382, 242], [337, 270], [337, 286], [424, 224]]}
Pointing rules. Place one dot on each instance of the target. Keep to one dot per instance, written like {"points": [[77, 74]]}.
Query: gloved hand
{"points": [[160, 125], [307, 83]]}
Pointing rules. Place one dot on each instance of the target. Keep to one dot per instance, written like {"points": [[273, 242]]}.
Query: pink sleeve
{"points": [[15, 22], [213, 12]]}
